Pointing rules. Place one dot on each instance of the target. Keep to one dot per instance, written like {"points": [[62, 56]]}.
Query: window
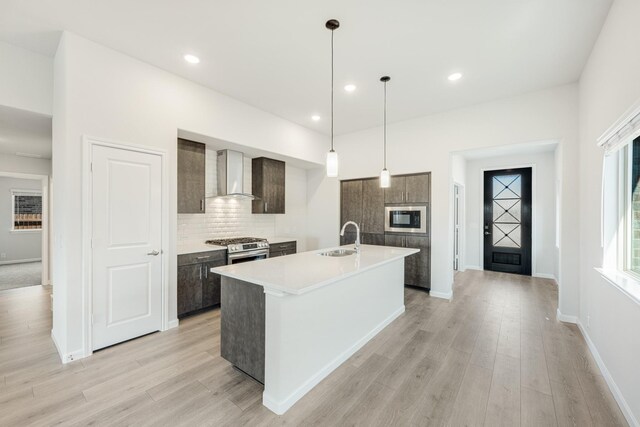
{"points": [[27, 210], [633, 208]]}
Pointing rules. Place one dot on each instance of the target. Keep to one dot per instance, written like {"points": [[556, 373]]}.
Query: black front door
{"points": [[507, 221]]}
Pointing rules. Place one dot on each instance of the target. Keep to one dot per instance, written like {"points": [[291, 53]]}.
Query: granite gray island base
{"points": [[290, 321], [243, 326]]}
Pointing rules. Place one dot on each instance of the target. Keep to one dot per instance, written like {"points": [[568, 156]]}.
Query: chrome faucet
{"points": [[357, 233]]}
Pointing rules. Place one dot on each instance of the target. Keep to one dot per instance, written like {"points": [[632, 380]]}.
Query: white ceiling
{"points": [[275, 54], [24, 132]]}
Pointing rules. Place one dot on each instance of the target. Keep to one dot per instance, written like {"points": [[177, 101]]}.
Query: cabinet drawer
{"points": [[283, 247], [200, 257]]}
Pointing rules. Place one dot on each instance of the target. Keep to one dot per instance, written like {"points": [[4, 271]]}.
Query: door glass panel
{"points": [[507, 187], [507, 211]]}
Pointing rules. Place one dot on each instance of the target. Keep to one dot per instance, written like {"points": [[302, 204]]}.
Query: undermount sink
{"points": [[338, 252]]}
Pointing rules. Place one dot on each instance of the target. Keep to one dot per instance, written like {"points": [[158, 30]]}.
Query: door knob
{"points": [[153, 253]]}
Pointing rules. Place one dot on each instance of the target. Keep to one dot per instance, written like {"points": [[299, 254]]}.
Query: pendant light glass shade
{"points": [[332, 156], [332, 164], [385, 179]]}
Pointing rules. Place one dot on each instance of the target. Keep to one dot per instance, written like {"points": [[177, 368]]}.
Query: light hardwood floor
{"points": [[494, 356]]}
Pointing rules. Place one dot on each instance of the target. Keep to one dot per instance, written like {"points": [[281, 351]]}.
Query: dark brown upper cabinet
{"points": [[351, 202], [408, 189], [372, 207], [267, 184], [191, 177]]}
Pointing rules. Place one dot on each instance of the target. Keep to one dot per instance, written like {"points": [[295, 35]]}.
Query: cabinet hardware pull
{"points": [[200, 272], [266, 206], [202, 205], [203, 257], [206, 271]]}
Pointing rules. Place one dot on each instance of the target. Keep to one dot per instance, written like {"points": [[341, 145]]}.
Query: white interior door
{"points": [[126, 244]]}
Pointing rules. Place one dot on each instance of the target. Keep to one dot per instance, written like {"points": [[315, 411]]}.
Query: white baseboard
{"points": [[173, 324], [566, 318], [68, 357], [20, 261], [617, 394], [443, 295], [473, 267], [282, 407], [545, 276]]}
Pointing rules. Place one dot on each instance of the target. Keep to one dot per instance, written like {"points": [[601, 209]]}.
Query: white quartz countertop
{"points": [[196, 247], [303, 272]]}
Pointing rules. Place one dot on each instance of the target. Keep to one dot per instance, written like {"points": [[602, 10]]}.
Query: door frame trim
{"points": [[88, 142], [534, 265]]}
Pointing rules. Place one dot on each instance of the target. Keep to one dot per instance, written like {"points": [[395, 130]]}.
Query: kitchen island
{"points": [[290, 321]]}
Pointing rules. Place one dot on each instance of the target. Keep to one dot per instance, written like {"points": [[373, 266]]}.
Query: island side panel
{"points": [[310, 335], [242, 331]]}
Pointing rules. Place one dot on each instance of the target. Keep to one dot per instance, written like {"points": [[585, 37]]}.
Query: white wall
{"points": [[609, 85], [544, 202], [232, 217], [103, 93], [427, 143], [26, 79], [17, 245], [17, 164]]}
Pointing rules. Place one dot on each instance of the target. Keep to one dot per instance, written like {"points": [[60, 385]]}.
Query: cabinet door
{"points": [[417, 188], [191, 176], [417, 267], [268, 184], [372, 207], [351, 202], [393, 240], [372, 239], [211, 284], [396, 191], [274, 177], [189, 288]]}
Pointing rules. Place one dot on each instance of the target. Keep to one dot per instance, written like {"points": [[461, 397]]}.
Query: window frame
{"points": [[14, 193]]}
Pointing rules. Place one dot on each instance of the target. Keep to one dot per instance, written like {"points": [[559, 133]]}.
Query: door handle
{"points": [[153, 253]]}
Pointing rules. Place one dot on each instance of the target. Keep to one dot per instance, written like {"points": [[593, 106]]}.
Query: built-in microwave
{"points": [[405, 219]]}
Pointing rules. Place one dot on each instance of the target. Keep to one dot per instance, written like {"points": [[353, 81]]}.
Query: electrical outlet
{"points": [[3, 255]]}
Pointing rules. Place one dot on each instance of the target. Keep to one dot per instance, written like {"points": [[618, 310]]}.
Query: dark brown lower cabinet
{"points": [[198, 288], [189, 288], [282, 249], [211, 285], [417, 267]]}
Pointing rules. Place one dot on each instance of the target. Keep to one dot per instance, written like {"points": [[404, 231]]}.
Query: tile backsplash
{"points": [[224, 217]]}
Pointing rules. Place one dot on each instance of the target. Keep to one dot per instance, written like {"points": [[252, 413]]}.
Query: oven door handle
{"points": [[248, 254]]}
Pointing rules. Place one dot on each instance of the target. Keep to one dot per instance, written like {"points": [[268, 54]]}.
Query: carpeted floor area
{"points": [[20, 275]]}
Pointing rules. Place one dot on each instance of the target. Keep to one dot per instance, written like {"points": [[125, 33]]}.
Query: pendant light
{"points": [[385, 178], [332, 156]]}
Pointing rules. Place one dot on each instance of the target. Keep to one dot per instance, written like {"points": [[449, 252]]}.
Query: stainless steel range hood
{"points": [[230, 174]]}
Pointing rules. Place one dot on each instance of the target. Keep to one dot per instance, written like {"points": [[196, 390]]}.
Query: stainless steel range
{"points": [[243, 249]]}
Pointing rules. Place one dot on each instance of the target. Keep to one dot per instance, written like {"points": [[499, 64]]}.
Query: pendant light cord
{"points": [[385, 125], [332, 90]]}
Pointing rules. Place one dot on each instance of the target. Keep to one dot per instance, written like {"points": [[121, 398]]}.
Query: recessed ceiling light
{"points": [[191, 59], [350, 88], [315, 117], [455, 76]]}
